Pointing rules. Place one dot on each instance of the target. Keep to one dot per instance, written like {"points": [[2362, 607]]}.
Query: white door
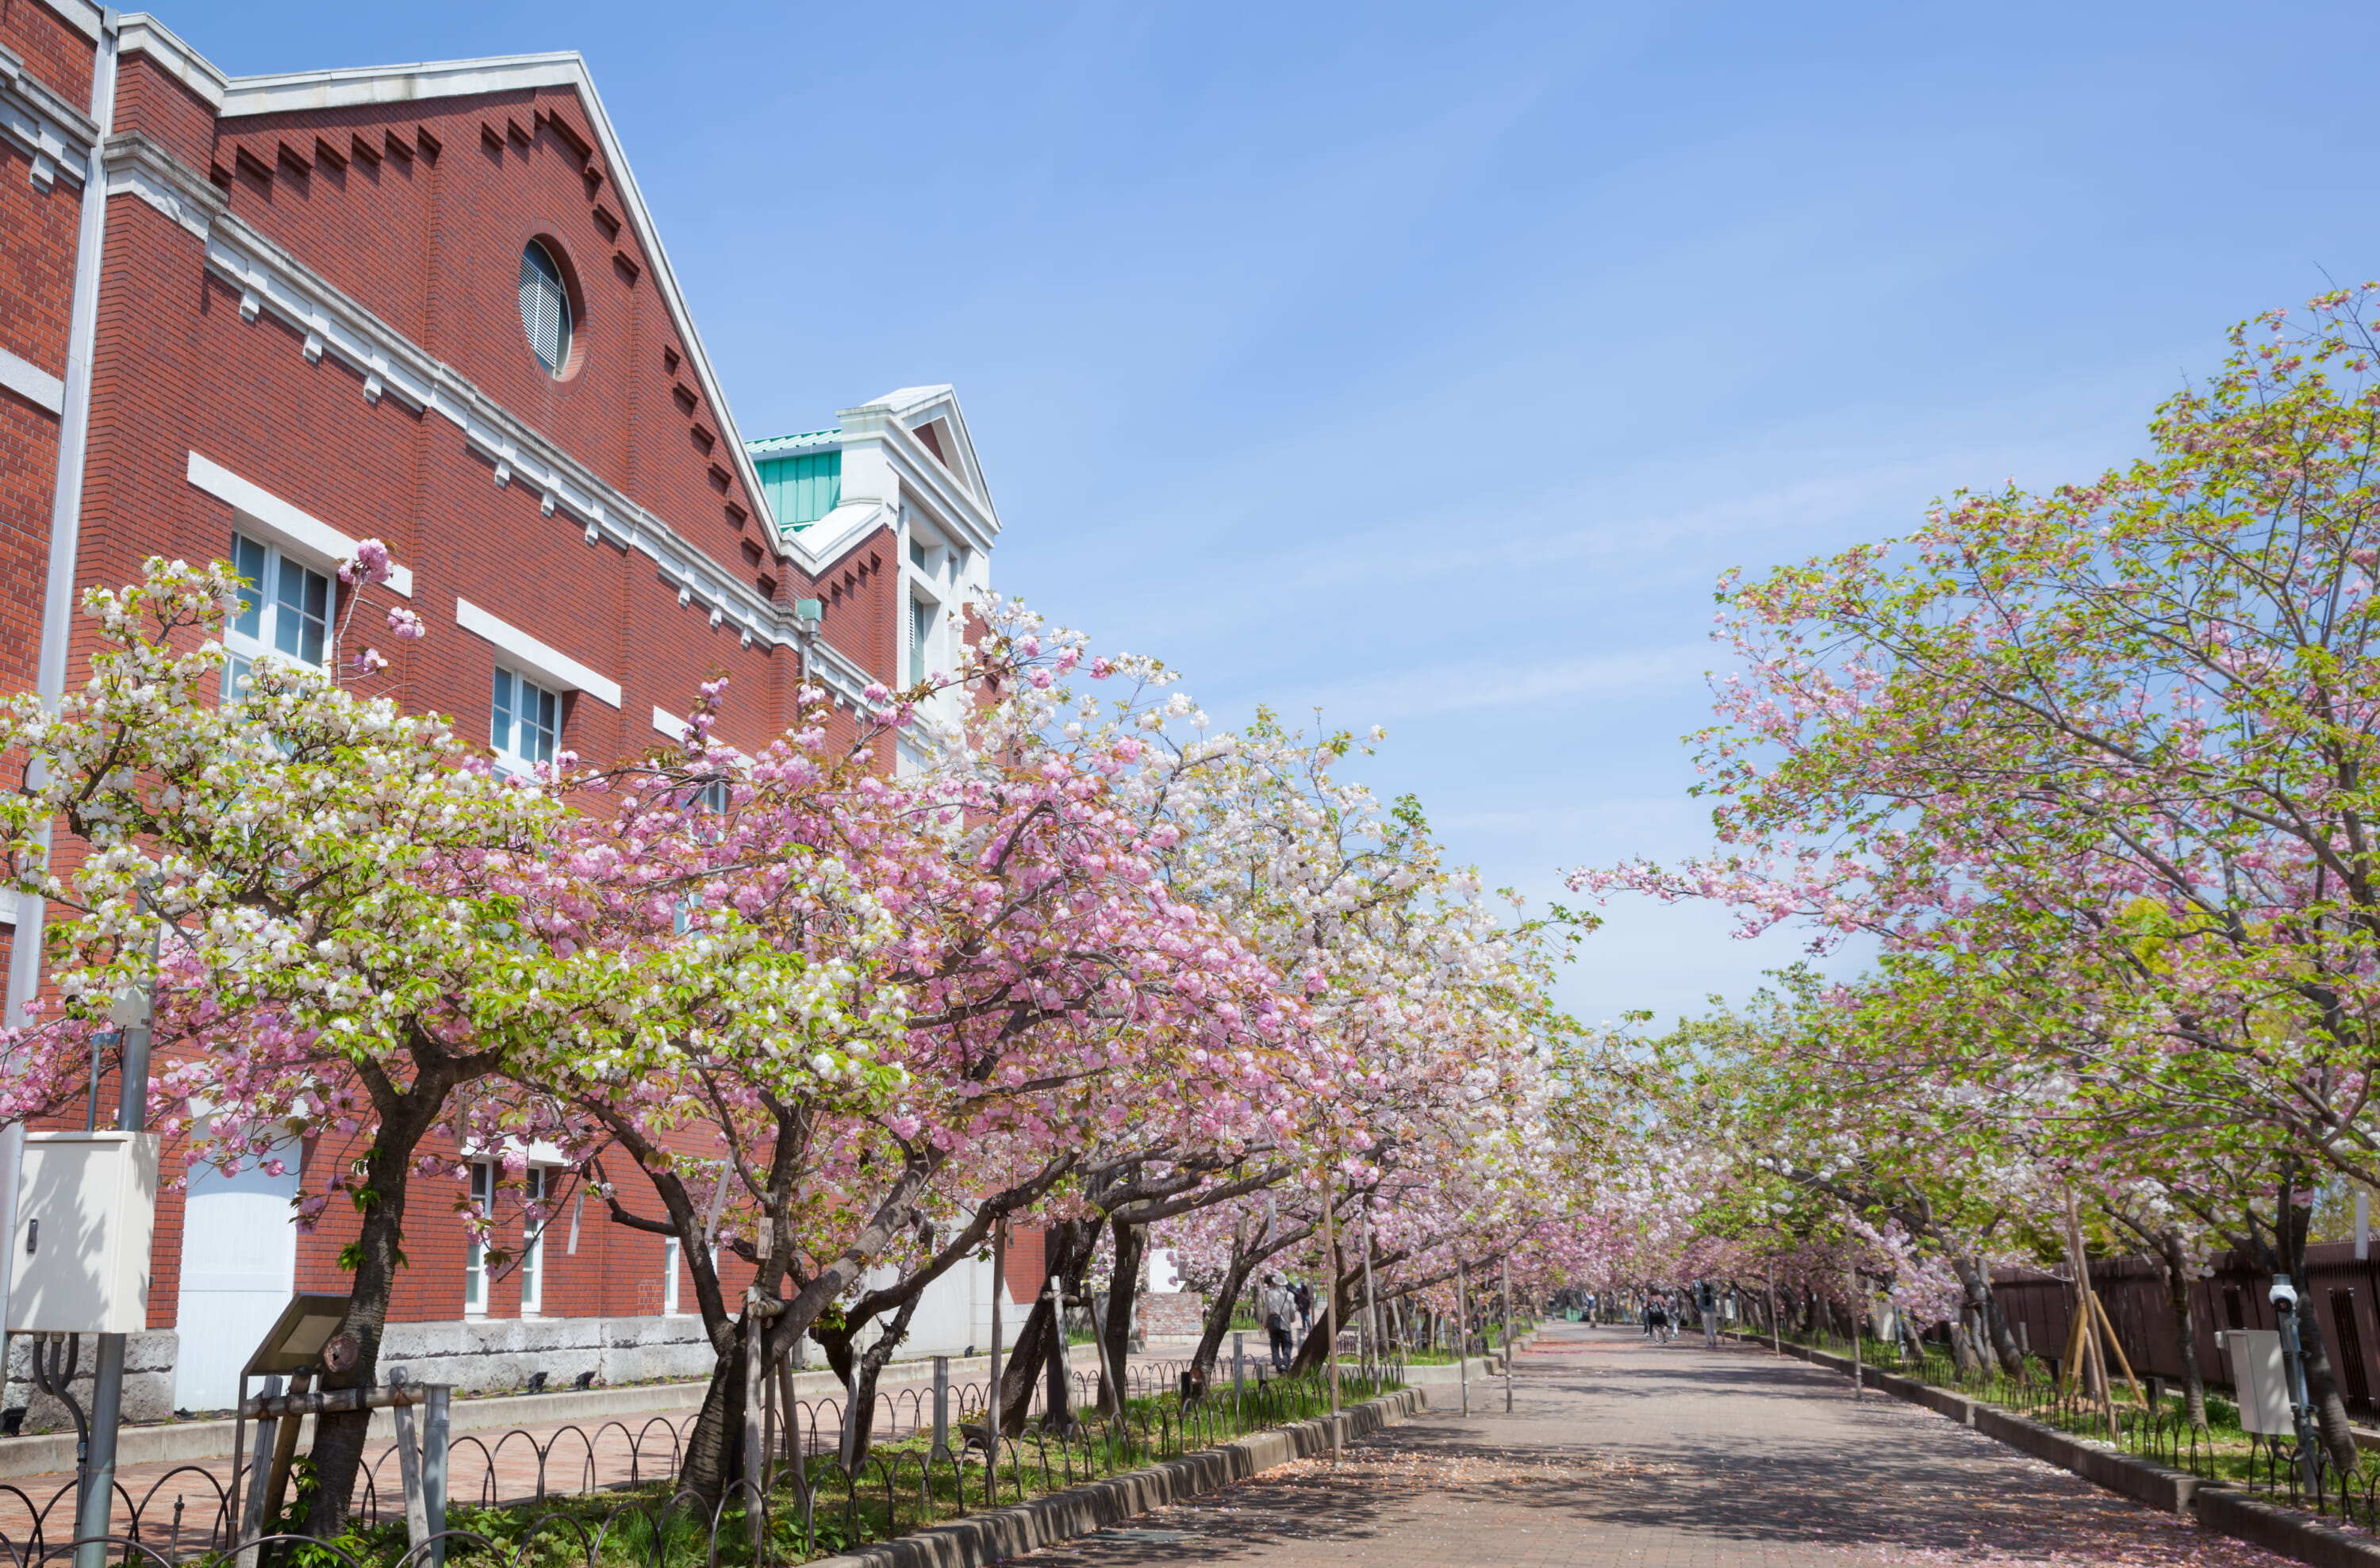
{"points": [[239, 1265]]}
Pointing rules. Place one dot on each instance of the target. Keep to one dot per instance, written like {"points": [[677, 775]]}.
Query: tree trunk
{"points": [[1219, 1319], [1986, 1320], [714, 1449], [1130, 1245], [1310, 1354], [859, 1397], [405, 1118], [2175, 1259], [1227, 1299], [1040, 1346]]}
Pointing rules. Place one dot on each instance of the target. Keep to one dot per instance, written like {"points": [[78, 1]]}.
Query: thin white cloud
{"points": [[1468, 685]]}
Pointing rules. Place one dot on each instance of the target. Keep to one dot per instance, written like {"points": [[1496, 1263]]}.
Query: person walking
{"points": [[1708, 1301], [1303, 1293], [1656, 1320], [1275, 1307]]}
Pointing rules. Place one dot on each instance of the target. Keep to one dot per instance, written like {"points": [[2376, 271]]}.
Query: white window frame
{"points": [[475, 1255], [262, 596], [506, 700], [925, 635], [532, 1263], [549, 666], [259, 514], [672, 1260]]}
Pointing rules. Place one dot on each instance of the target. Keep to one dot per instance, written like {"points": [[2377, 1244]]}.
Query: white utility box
{"points": [[2258, 1379], [86, 1213]]}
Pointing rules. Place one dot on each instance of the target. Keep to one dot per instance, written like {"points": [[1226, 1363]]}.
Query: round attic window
{"points": [[545, 307]]}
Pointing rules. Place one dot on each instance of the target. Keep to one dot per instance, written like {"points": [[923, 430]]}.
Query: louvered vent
{"points": [[545, 308]]}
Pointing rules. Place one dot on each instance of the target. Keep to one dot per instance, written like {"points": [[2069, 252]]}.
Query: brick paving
{"points": [[1623, 1454]]}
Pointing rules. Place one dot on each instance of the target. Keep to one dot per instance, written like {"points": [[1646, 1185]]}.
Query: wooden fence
{"points": [[2345, 1290]]}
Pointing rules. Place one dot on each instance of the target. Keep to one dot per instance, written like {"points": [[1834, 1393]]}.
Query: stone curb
{"points": [[2219, 1506], [985, 1538], [2284, 1530]]}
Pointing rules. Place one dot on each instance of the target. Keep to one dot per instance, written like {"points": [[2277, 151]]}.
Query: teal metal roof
{"points": [[802, 442], [801, 475]]}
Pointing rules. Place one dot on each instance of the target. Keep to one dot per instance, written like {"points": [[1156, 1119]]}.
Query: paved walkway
{"points": [[1621, 1454]]}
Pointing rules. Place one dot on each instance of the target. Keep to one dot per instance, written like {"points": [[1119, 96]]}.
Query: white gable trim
{"points": [[286, 522], [530, 656]]}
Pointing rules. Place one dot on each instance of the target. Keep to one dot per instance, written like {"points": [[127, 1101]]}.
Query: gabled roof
{"points": [[295, 90], [923, 434], [939, 406]]}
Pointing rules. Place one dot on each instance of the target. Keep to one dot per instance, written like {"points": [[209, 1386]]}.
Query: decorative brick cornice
{"points": [[141, 33], [139, 166], [53, 133]]}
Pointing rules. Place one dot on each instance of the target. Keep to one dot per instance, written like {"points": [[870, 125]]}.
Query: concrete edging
{"points": [[983, 1539], [2219, 1506], [2284, 1530]]}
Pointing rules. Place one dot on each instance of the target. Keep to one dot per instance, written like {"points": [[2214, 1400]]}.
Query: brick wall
{"points": [[419, 210], [432, 245], [52, 48], [36, 285]]}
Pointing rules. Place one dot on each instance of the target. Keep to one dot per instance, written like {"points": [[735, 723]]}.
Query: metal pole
{"points": [[2301, 1406], [409, 1472], [999, 1289], [942, 1405], [252, 1521], [1462, 1331], [1371, 1303], [107, 1378], [12, 1162], [1859, 1373], [1505, 1265], [1330, 1310], [435, 1430]]}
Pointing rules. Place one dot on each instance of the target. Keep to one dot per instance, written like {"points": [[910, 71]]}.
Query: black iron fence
{"points": [[555, 1497]]}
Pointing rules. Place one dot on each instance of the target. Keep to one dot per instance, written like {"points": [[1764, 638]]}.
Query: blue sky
{"points": [[1430, 363]]}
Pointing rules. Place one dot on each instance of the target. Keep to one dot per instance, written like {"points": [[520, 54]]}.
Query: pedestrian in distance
{"points": [[1303, 1293], [1276, 1307], [1656, 1320], [1708, 1302]]}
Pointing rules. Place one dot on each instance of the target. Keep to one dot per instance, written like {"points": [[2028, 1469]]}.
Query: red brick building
{"points": [[259, 318]]}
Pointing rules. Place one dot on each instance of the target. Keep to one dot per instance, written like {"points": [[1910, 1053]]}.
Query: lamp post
{"points": [[2284, 1309]]}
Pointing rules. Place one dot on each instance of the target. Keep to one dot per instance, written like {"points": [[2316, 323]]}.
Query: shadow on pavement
{"points": [[1592, 1452]]}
